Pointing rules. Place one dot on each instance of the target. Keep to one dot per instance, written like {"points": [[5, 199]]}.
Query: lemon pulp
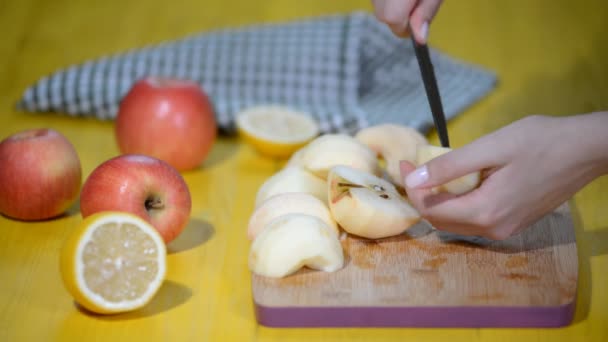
{"points": [[275, 130], [114, 262]]}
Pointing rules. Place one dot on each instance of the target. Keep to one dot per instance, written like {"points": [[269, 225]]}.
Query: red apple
{"points": [[172, 120], [144, 186], [40, 174]]}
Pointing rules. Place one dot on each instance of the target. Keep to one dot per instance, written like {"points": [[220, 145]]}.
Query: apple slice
{"points": [[289, 203], [368, 206], [292, 179], [292, 241], [330, 150], [392, 143], [296, 158], [457, 186]]}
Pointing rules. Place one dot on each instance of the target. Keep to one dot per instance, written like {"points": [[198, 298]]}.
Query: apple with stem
{"points": [[169, 119], [368, 206], [142, 185], [40, 174]]}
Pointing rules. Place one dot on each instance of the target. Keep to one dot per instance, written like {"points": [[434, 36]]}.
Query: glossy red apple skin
{"points": [[40, 174], [142, 185], [171, 120]]}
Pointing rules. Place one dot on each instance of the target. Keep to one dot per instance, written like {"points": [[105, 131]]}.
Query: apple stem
{"points": [[154, 203]]}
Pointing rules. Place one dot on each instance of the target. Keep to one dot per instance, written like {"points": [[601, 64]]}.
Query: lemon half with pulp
{"points": [[276, 131], [113, 262]]}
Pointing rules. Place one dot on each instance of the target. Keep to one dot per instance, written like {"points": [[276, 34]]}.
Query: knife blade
{"points": [[432, 90], [432, 93]]}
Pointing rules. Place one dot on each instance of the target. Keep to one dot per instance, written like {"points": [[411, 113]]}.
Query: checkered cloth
{"points": [[348, 71]]}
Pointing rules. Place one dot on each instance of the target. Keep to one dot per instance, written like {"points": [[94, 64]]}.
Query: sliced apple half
{"points": [[457, 186], [392, 143], [366, 205], [330, 150], [289, 203], [292, 241], [295, 159], [292, 179]]}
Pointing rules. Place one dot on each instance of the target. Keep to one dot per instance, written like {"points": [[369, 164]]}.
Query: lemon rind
{"points": [[96, 299], [311, 130]]}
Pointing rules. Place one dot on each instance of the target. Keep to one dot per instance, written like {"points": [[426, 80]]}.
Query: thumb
{"points": [[406, 168], [449, 166]]}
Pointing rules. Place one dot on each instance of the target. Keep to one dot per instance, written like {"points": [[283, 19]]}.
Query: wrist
{"points": [[589, 133]]}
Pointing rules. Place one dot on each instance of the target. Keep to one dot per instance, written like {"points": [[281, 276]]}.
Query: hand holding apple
{"points": [[172, 120], [40, 174], [531, 167], [142, 185]]}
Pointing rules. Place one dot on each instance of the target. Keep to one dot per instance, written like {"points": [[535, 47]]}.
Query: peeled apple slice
{"points": [[368, 206], [457, 186], [330, 150], [296, 158], [393, 143], [293, 241], [292, 179], [289, 203]]}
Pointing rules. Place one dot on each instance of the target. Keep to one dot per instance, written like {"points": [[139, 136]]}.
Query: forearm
{"points": [[589, 134]]}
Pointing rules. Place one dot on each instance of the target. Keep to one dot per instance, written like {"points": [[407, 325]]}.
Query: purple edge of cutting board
{"points": [[435, 317]]}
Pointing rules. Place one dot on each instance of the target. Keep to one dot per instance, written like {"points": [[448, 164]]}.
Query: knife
{"points": [[432, 91], [434, 98]]}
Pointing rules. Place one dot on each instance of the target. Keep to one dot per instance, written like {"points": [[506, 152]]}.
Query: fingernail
{"points": [[424, 31], [417, 177]]}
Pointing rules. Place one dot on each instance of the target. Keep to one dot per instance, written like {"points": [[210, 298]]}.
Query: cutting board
{"points": [[429, 278]]}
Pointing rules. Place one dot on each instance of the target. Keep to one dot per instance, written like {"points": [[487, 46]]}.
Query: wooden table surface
{"points": [[551, 57]]}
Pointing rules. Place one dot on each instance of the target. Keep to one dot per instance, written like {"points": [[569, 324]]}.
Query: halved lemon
{"points": [[276, 131], [113, 262]]}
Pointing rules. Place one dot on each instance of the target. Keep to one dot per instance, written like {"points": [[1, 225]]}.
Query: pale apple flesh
{"points": [[142, 185], [296, 158], [368, 206], [292, 179], [292, 241], [457, 186], [289, 203], [392, 143], [40, 175], [329, 150]]}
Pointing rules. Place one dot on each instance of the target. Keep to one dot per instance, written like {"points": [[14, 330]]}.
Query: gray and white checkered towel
{"points": [[348, 71]]}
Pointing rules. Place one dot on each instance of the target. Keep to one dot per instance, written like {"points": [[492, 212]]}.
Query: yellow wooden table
{"points": [[551, 57]]}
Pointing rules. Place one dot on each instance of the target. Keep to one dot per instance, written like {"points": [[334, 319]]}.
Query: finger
{"points": [[443, 206], [477, 156], [406, 167], [421, 18], [395, 13], [379, 6], [379, 12], [400, 31]]}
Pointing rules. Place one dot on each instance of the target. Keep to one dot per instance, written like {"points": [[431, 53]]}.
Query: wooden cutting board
{"points": [[427, 278]]}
